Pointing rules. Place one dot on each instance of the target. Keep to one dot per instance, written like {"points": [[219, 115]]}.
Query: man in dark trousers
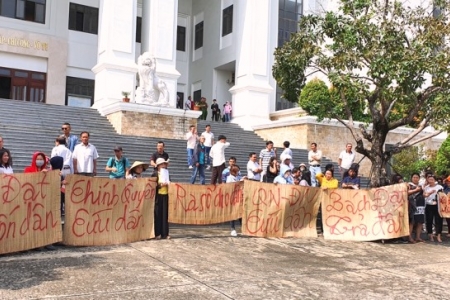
{"points": [[215, 111]]}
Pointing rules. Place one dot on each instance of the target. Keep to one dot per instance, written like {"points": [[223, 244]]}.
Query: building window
{"points": [[27, 10], [181, 38], [79, 91], [289, 13], [22, 85], [83, 18], [227, 20], [198, 35], [197, 95], [138, 29]]}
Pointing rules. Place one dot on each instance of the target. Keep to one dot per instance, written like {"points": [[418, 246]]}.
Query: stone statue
{"points": [[151, 90]]}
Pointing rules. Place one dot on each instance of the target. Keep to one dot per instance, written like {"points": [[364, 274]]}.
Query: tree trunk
{"points": [[379, 159]]}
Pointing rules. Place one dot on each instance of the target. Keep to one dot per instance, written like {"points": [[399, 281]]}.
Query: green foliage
{"points": [[379, 55], [443, 158], [315, 97], [318, 100], [413, 160]]}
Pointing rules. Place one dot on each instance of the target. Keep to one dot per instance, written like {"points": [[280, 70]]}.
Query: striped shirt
{"points": [[265, 156]]}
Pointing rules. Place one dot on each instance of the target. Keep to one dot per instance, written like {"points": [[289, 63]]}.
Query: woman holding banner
{"points": [[162, 201], [5, 167], [416, 204], [328, 181], [431, 209]]}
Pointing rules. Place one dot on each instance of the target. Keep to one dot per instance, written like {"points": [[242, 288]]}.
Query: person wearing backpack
{"points": [[118, 166]]}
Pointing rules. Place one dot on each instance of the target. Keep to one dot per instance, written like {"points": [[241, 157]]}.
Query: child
{"points": [[162, 201], [233, 177]]}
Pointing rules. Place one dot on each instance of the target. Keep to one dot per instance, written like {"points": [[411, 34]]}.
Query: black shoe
{"points": [[50, 248]]}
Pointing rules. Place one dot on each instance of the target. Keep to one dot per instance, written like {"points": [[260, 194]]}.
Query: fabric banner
{"points": [[102, 211], [205, 204], [365, 215], [30, 214], [280, 210], [444, 205]]}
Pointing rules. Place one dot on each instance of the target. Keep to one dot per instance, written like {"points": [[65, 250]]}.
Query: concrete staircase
{"points": [[28, 127]]}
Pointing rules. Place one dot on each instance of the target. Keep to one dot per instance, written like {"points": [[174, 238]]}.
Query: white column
{"points": [[116, 68], [256, 39], [159, 34]]}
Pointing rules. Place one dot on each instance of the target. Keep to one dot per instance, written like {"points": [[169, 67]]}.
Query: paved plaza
{"points": [[206, 263]]}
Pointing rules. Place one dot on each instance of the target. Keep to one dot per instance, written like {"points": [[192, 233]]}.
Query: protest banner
{"points": [[30, 214], [280, 210], [205, 204], [444, 205], [365, 215], [103, 211]]}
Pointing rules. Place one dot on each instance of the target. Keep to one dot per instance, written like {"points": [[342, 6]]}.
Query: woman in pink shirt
{"points": [[227, 111]]}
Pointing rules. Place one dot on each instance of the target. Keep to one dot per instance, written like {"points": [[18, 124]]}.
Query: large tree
{"points": [[393, 58]]}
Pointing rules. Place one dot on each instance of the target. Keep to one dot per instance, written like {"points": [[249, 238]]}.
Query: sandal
{"points": [[157, 237], [411, 241], [431, 238], [439, 239], [420, 241]]}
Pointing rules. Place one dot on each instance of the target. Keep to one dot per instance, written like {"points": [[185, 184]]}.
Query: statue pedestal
{"points": [[150, 121]]}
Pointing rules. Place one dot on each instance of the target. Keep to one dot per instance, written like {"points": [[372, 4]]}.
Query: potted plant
{"points": [[197, 105], [125, 96]]}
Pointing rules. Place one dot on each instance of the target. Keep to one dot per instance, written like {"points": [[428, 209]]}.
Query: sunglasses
{"points": [[64, 128]]}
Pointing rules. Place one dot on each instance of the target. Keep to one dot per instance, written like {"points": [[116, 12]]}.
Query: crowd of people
{"points": [[75, 155], [217, 114]]}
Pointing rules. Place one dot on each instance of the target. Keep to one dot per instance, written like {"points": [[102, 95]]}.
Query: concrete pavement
{"points": [[206, 263]]}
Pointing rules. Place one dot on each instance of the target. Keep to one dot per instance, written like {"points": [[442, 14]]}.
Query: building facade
{"points": [[84, 52]]}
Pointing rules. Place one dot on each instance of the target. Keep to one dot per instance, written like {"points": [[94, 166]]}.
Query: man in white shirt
{"points": [[209, 142], [346, 158], [218, 155], [287, 150], [191, 138], [85, 157], [314, 158], [61, 150], [253, 168], [188, 103]]}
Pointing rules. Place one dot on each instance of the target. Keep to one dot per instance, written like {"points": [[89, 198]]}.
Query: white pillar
{"points": [[116, 68], [159, 33], [256, 39]]}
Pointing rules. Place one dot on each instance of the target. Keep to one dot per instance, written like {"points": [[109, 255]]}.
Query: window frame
{"points": [[89, 15], [227, 20], [199, 28]]}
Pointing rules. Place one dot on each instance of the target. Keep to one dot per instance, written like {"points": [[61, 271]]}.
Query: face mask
{"points": [[39, 163]]}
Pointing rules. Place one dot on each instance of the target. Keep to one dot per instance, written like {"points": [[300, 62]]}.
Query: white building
{"points": [[84, 52]]}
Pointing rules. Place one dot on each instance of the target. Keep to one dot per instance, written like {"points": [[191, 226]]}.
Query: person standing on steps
{"points": [[209, 142], [215, 111], [287, 151], [160, 153], [265, 155], [118, 166], [227, 111], [218, 155], [254, 170], [85, 157], [199, 161], [188, 104], [346, 159], [162, 201], [314, 158], [61, 150], [3, 148], [226, 171], [5, 167], [191, 138], [71, 139]]}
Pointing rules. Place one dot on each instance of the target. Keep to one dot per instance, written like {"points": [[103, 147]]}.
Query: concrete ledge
{"points": [[291, 113], [149, 109], [150, 121]]}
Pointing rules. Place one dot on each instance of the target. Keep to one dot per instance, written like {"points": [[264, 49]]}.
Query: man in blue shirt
{"points": [[71, 139], [118, 166], [199, 161], [351, 181]]}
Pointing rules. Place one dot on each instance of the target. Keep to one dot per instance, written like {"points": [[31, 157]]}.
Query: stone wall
{"points": [[142, 124], [149, 121], [330, 136]]}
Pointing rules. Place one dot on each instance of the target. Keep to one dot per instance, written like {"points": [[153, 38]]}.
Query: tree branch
{"points": [[365, 134]]}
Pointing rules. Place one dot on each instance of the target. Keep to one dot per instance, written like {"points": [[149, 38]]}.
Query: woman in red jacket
{"points": [[38, 163]]}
